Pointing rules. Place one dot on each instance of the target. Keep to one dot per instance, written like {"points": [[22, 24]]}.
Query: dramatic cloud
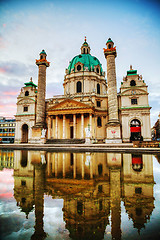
{"points": [[15, 68]]}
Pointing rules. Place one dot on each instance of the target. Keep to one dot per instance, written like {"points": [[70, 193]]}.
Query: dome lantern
{"points": [[85, 49]]}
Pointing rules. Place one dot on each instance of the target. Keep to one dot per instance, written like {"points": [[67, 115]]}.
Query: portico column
{"points": [[82, 125], [49, 163], [49, 127], [64, 172], [95, 126], [74, 165], [82, 165], [64, 126], [74, 125], [53, 127], [56, 164], [91, 168], [56, 126], [90, 123]]}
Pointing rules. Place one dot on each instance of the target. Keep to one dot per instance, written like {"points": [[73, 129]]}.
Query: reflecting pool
{"points": [[64, 195]]}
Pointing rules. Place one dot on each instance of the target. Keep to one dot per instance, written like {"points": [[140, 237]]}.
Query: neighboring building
{"points": [[7, 130], [156, 130], [90, 104], [6, 159]]}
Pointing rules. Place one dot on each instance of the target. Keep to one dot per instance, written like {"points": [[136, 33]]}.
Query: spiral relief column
{"points": [[113, 133], [39, 130]]}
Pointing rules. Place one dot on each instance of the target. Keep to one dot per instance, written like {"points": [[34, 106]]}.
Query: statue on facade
{"points": [[43, 133]]}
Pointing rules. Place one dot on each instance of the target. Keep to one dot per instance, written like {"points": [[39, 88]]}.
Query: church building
{"points": [[90, 108]]}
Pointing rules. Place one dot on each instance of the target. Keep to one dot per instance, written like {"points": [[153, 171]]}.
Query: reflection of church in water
{"points": [[92, 186]]}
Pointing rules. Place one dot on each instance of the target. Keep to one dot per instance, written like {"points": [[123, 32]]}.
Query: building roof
{"points": [[30, 84], [87, 60], [131, 72], [109, 40], [43, 52]]}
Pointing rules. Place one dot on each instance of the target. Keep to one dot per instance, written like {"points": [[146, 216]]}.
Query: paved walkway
{"points": [[114, 147]]}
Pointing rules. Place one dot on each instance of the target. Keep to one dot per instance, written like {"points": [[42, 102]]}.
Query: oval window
{"points": [[132, 83], [26, 93], [78, 67]]}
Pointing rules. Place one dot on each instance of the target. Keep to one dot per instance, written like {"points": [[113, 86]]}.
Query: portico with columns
{"points": [[69, 119]]}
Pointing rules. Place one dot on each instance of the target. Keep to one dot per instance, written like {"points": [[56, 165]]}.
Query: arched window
{"points": [[135, 123], [25, 133], [99, 122], [79, 207], [100, 169], [132, 83], [84, 50], [41, 56], [109, 46], [98, 88], [100, 205], [139, 211], [79, 87], [24, 158], [26, 93], [97, 70]]}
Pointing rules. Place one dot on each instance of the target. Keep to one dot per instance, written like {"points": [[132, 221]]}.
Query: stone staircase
{"points": [[65, 141]]}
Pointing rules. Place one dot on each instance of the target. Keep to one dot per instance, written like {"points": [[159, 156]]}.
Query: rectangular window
{"points": [[134, 101], [25, 109], [23, 183], [98, 104], [138, 190]]}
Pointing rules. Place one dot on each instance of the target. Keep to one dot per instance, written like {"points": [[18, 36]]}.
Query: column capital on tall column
{"points": [[110, 50]]}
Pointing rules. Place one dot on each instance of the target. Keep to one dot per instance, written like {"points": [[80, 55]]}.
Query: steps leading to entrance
{"points": [[65, 141]]}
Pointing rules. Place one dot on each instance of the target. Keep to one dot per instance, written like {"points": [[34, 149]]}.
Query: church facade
{"points": [[90, 107]]}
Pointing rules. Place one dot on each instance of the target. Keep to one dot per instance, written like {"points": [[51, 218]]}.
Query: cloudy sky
{"points": [[59, 27]]}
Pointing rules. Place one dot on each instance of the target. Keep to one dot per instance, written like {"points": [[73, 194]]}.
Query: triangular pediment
{"points": [[69, 104], [133, 91]]}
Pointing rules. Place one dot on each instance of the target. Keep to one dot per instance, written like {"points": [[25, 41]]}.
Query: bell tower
{"points": [[113, 126], [42, 64]]}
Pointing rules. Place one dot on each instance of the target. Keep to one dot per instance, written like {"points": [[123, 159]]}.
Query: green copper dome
{"points": [[87, 60]]}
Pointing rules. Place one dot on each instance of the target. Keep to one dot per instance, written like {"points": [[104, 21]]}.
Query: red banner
{"points": [[135, 129], [137, 160]]}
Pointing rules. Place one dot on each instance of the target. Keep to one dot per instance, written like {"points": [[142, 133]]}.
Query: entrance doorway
{"points": [[71, 132], [135, 129], [25, 133]]}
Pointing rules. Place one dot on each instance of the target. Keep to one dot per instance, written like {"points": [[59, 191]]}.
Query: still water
{"points": [[53, 195]]}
